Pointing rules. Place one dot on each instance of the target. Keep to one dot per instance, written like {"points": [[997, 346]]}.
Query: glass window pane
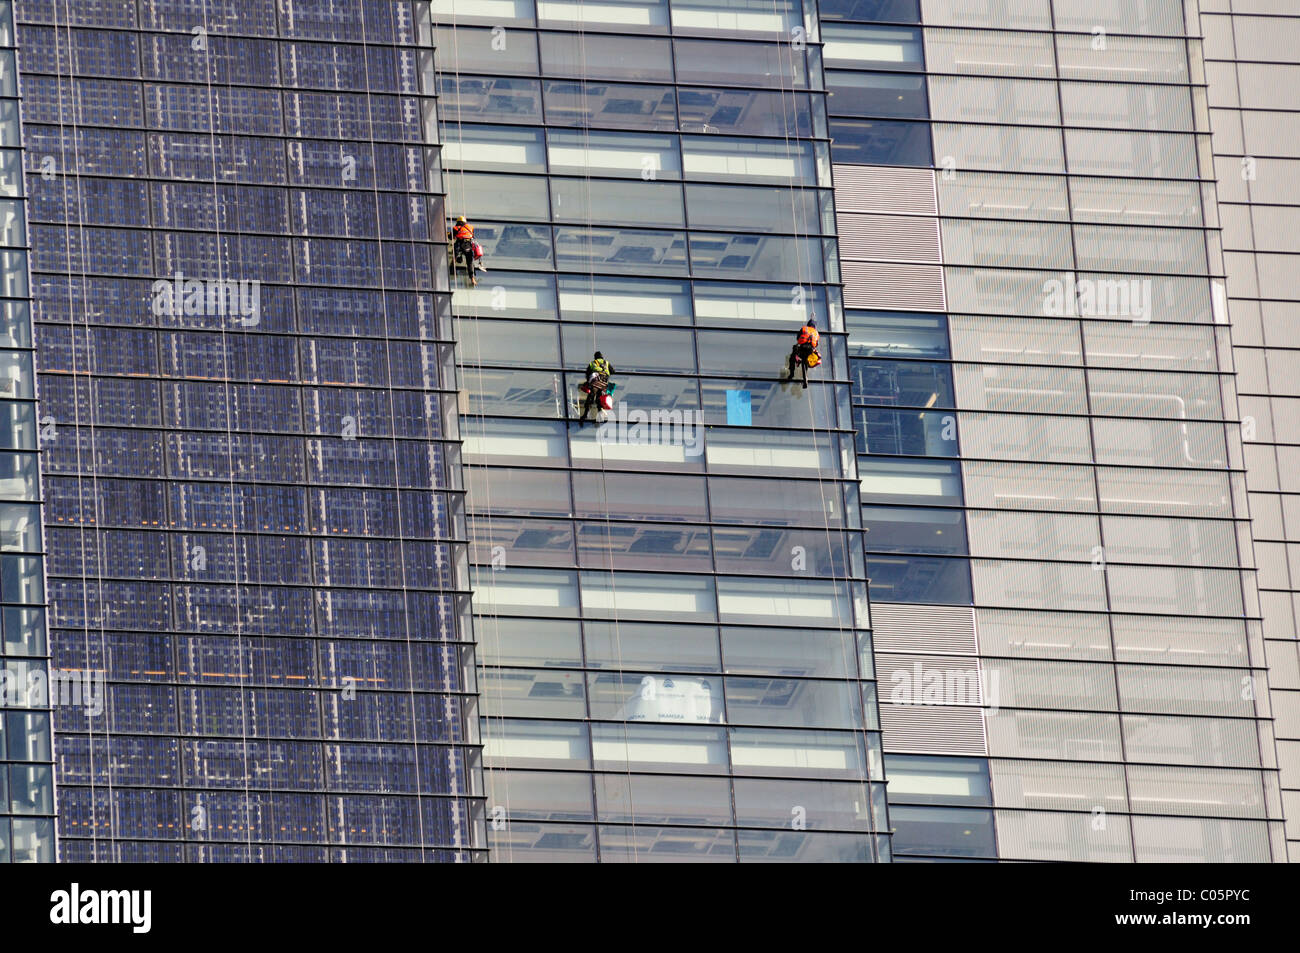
{"points": [[620, 105], [720, 63], [891, 529], [468, 49], [516, 12], [606, 57], [749, 160], [804, 847], [489, 98], [741, 112], [676, 749], [586, 298], [824, 755], [539, 795], [780, 210], [613, 153], [807, 602], [788, 652], [654, 648], [942, 831], [922, 579], [793, 703], [884, 47], [739, 17], [910, 481], [935, 779], [887, 11], [20, 528], [620, 250], [721, 304], [507, 641], [532, 693], [631, 202], [629, 349], [525, 592], [519, 246], [31, 789], [676, 699], [536, 744], [756, 257], [827, 805], [508, 294], [480, 197], [649, 16], [881, 334], [640, 496], [880, 142], [519, 343], [491, 148], [638, 799], [888, 95]]}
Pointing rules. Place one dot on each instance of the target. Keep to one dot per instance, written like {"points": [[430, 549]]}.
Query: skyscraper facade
{"points": [[1251, 67], [670, 607], [1063, 540], [254, 537], [26, 769], [317, 560]]}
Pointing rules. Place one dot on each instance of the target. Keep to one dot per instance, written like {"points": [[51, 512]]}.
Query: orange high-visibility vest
{"points": [[808, 335], [463, 230]]}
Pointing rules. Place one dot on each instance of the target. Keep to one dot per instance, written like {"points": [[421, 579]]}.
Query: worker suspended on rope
{"points": [[597, 387], [804, 353], [465, 249]]}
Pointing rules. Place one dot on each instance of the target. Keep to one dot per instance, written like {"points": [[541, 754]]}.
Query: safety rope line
{"points": [[64, 140], [392, 418], [596, 423], [789, 110], [485, 469], [245, 688]]}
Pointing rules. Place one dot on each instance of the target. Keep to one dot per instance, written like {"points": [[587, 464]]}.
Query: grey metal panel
{"points": [[888, 238], [870, 188], [933, 729], [891, 285], [898, 627]]}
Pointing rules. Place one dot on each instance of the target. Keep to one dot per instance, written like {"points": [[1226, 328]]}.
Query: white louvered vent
{"points": [[897, 286], [870, 188], [888, 237], [915, 628], [932, 729]]}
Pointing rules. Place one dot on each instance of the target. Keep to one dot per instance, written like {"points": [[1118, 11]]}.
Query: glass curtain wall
{"points": [[1115, 615], [251, 460], [671, 609], [1251, 63], [26, 768]]}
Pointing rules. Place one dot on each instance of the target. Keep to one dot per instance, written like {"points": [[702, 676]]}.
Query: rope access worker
{"points": [[804, 351], [598, 374], [463, 235]]}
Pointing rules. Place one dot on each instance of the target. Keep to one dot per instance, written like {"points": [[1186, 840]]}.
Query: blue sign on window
{"points": [[738, 410]]}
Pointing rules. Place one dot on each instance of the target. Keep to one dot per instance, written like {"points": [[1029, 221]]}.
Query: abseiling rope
{"points": [[73, 108], [485, 469], [850, 665], [392, 423], [604, 476], [245, 689]]}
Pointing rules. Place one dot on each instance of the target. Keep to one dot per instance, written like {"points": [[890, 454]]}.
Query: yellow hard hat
{"points": [[460, 219]]}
